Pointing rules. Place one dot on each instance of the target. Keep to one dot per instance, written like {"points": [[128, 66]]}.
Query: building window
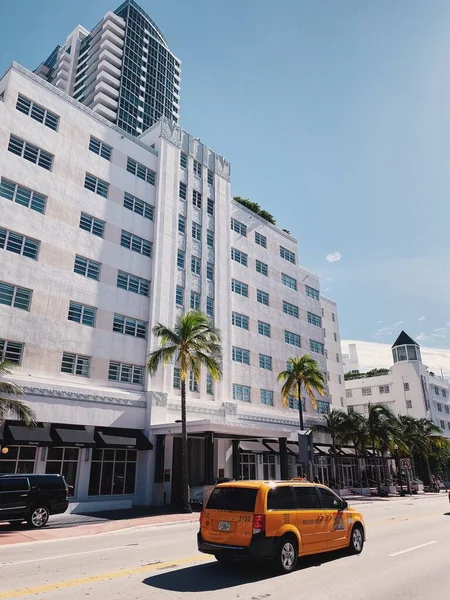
{"points": [[209, 384], [197, 231], [238, 227], [366, 391], [241, 355], [439, 407], [262, 268], [196, 265], [238, 287], [210, 177], [239, 257], [262, 297], [335, 337], [326, 353], [96, 185], [183, 160], [442, 424], [23, 196], [15, 296], [292, 338], [141, 171], [290, 309], [264, 328], [195, 301], [19, 459], [436, 390], [209, 271], [350, 409], [180, 259], [129, 326], [196, 199], [384, 389], [19, 244], [348, 393], [241, 392], [409, 404], [113, 472], [92, 225], [30, 152], [337, 357], [312, 293], [63, 461], [197, 169], [316, 347], [132, 283], [342, 401], [289, 282], [269, 467], [81, 313], [210, 238], [340, 378], [210, 307], [182, 191], [239, 320], [179, 296], [333, 317], [265, 362], [75, 364], [193, 384], [447, 409], [37, 112], [406, 387], [248, 466], [444, 393], [136, 243], [314, 319], [177, 378], [210, 207], [260, 239], [293, 403], [266, 397], [98, 147], [181, 224], [287, 255], [125, 373], [88, 268], [138, 206], [323, 408], [11, 351]]}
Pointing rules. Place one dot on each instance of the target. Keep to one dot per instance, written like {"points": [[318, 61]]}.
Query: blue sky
{"points": [[335, 115]]}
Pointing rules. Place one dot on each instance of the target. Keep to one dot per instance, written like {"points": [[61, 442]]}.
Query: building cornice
{"points": [[82, 397]]}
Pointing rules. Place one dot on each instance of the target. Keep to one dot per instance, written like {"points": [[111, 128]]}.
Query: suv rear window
{"points": [[14, 484], [233, 498]]}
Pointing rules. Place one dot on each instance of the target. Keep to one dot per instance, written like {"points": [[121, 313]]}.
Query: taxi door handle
{"points": [[321, 517], [329, 517]]}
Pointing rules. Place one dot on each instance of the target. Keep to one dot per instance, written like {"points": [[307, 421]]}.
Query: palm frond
{"points": [[160, 356], [17, 410]]}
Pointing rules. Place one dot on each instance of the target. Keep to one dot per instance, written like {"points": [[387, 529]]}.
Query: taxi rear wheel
{"points": [[356, 540], [287, 554]]}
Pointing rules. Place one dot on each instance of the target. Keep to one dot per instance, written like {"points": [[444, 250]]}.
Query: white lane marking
{"points": [[24, 562], [413, 548]]}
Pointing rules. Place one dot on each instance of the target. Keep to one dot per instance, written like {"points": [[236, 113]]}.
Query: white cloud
{"points": [[422, 318], [397, 324], [333, 257], [378, 322]]}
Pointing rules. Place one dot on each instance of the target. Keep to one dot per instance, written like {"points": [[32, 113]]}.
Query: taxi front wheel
{"points": [[356, 540], [287, 554]]}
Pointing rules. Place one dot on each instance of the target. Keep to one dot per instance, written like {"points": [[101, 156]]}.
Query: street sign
{"points": [[405, 463]]}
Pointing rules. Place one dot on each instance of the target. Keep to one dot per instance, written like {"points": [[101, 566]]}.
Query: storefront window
{"points": [[269, 466], [112, 472], [248, 466], [18, 459], [64, 461]]}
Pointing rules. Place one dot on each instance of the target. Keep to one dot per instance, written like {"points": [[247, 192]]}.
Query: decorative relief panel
{"points": [[65, 395], [211, 223], [196, 248], [196, 284], [182, 241], [159, 399], [222, 167], [181, 277], [171, 131]]}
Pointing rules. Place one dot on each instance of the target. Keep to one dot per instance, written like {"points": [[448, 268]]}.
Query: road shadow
{"points": [[214, 576]]}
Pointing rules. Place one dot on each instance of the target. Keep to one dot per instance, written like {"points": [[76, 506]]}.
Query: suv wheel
{"points": [[287, 554], [356, 540], [38, 516]]}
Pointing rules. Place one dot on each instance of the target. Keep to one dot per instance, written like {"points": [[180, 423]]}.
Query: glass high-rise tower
{"points": [[123, 69]]}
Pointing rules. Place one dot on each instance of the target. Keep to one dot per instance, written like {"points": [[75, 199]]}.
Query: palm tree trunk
{"points": [[333, 460], [427, 465], [184, 451], [300, 409], [358, 468]]}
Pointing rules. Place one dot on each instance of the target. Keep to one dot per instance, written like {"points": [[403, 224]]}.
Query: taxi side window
{"points": [[329, 500], [281, 498], [307, 498]]}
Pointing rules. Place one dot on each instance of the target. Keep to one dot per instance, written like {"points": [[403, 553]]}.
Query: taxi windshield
{"points": [[233, 498]]}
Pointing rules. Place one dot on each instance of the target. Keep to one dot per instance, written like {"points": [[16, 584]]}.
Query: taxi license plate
{"points": [[224, 526]]}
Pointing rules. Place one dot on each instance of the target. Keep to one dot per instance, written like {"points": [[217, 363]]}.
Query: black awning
{"points": [[253, 446], [18, 434], [131, 439], [70, 435]]}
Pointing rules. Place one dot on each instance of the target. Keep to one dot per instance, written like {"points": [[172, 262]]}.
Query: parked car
{"points": [[277, 521], [32, 498]]}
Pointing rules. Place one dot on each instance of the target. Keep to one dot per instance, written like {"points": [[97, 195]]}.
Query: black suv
{"points": [[32, 498]]}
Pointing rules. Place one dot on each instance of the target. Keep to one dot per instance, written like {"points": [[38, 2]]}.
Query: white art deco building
{"points": [[103, 234]]}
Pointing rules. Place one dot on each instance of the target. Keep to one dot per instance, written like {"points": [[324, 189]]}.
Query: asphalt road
{"points": [[406, 557]]}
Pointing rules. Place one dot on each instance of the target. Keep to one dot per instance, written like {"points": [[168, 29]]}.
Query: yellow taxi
{"points": [[277, 521]]}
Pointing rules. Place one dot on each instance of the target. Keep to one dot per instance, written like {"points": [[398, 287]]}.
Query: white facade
{"points": [[333, 352], [152, 215], [408, 389], [351, 360]]}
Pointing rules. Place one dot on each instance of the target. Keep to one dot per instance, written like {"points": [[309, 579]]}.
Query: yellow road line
{"points": [[69, 583]]}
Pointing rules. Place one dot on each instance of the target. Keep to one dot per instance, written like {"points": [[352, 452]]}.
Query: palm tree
{"points": [[382, 428], [193, 343], [11, 406], [333, 424], [355, 430], [303, 372], [419, 437]]}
